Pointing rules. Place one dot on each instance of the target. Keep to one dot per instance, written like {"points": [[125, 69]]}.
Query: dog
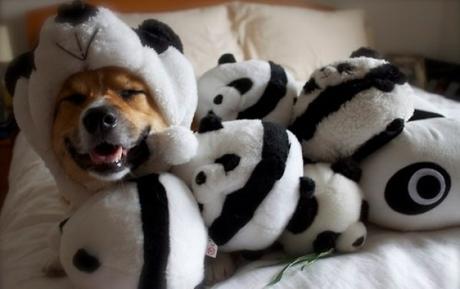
{"points": [[101, 121]]}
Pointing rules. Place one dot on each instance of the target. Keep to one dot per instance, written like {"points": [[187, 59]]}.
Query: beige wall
{"points": [[426, 27]]}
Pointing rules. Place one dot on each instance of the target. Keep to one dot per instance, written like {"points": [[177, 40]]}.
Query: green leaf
{"points": [[305, 260]]}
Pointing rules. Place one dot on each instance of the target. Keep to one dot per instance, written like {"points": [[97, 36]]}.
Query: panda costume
{"points": [[246, 176], [331, 214], [412, 182], [147, 233], [253, 89], [83, 37], [350, 108]]}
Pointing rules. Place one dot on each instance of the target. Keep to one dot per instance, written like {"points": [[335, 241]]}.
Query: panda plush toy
{"points": [[351, 107], [330, 214], [147, 233], [253, 89], [246, 175], [412, 182]]}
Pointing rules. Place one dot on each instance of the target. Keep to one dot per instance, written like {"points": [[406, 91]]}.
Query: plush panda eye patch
{"points": [[243, 85], [345, 67], [229, 161], [417, 188], [218, 99]]}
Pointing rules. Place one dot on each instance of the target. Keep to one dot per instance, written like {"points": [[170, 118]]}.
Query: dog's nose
{"points": [[100, 119]]}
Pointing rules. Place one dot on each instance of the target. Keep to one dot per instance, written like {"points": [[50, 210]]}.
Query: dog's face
{"points": [[102, 119]]}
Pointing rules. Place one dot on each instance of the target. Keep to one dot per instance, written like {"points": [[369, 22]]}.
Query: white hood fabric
{"points": [[82, 37]]}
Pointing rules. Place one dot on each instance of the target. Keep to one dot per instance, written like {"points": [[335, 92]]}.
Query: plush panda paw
{"points": [[220, 268]]}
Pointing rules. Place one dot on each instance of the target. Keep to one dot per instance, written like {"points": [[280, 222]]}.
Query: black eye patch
{"points": [[243, 85], [345, 67], [218, 99], [127, 94], [417, 188]]}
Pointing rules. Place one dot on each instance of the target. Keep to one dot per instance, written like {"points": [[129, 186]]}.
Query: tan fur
{"points": [[104, 83]]}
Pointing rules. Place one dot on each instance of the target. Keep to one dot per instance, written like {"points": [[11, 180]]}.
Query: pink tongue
{"points": [[109, 158]]}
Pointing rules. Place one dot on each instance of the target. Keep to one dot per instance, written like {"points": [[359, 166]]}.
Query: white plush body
{"points": [[338, 210], [111, 226], [265, 82], [245, 138], [99, 41], [412, 182], [331, 135]]}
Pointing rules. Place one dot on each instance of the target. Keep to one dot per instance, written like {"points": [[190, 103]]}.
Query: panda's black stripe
{"points": [[239, 207], [379, 140], [332, 98], [155, 225], [274, 92]]}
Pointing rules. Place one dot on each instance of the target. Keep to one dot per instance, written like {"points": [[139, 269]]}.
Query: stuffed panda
{"points": [[85, 37], [351, 107], [246, 176], [142, 234], [412, 182], [253, 89], [330, 213]]}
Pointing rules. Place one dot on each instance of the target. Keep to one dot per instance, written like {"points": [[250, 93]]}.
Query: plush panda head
{"points": [[246, 176], [252, 89], [412, 182], [346, 104], [83, 37]]}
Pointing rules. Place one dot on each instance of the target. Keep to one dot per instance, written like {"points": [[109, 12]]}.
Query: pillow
{"points": [[299, 39], [205, 32]]}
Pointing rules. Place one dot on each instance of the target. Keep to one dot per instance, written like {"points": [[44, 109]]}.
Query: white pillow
{"points": [[300, 39], [206, 33]]}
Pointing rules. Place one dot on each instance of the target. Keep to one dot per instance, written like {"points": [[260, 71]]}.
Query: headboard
{"points": [[35, 18]]}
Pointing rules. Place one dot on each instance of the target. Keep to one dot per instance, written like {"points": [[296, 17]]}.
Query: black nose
{"points": [[100, 119]]}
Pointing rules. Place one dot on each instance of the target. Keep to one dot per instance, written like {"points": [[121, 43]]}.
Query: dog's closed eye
{"points": [[75, 98], [127, 94]]}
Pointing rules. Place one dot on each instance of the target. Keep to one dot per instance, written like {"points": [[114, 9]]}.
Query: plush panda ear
{"points": [[226, 58], [210, 122], [21, 66], [366, 52], [158, 35], [75, 13], [385, 76]]}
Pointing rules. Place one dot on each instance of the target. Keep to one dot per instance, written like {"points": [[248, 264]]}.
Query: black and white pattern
{"points": [[411, 183], [252, 89], [246, 175], [142, 234], [348, 103], [328, 214], [84, 37]]}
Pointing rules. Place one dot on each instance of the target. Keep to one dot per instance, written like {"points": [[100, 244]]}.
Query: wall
{"points": [[426, 27]]}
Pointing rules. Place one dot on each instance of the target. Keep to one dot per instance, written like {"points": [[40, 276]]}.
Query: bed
{"points": [[299, 35]]}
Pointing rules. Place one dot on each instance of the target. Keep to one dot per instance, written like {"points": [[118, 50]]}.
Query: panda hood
{"points": [[83, 37]]}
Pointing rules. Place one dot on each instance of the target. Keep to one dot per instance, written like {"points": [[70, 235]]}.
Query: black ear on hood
{"points": [[158, 35], [366, 52], [226, 58], [21, 66], [210, 122], [75, 13]]}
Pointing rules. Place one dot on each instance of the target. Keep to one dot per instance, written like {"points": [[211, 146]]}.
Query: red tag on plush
{"points": [[212, 248]]}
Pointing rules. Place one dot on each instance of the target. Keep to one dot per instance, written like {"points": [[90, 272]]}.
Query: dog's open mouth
{"points": [[106, 158]]}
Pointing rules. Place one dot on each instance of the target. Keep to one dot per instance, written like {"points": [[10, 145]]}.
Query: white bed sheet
{"points": [[389, 260]]}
